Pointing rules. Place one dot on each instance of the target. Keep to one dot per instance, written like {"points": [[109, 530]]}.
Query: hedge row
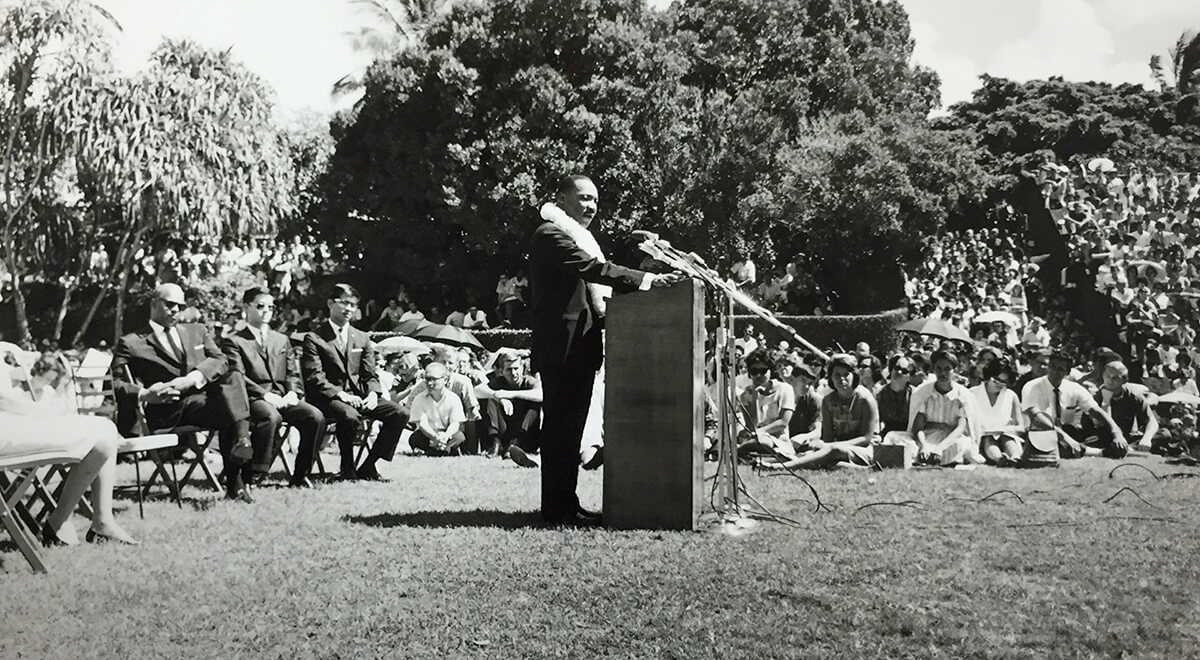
{"points": [[826, 332]]}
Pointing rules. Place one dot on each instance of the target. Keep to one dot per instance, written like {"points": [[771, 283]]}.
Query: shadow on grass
{"points": [[476, 518]]}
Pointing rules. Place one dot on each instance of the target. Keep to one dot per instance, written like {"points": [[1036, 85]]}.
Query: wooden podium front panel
{"points": [[654, 408]]}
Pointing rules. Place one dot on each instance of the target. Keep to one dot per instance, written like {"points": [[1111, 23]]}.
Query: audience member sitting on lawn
{"points": [[894, 397], [404, 371], [768, 406], [512, 408], [1000, 418], [265, 359], [438, 414], [28, 427], [1054, 403], [177, 371], [940, 415], [805, 424], [849, 421], [462, 387], [1038, 360], [1126, 405]]}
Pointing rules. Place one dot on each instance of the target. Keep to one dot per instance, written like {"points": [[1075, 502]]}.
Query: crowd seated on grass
{"points": [[940, 417]]}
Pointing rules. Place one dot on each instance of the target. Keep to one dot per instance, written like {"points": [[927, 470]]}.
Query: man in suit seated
{"points": [[338, 363], [265, 359], [181, 376]]}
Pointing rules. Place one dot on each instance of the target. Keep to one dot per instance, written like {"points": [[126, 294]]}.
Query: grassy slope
{"points": [[447, 560]]}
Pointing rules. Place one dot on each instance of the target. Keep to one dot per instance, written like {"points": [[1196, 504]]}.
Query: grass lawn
{"points": [[447, 560]]}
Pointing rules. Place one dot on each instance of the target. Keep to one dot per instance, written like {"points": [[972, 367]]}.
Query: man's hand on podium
{"points": [[667, 279]]}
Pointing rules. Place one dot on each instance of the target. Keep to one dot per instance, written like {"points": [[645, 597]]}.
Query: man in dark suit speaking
{"points": [[338, 363], [182, 378], [272, 374], [570, 280]]}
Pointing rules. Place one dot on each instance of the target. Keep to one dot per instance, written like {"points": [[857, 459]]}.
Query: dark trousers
{"points": [[566, 397], [1098, 436], [521, 427], [265, 420], [223, 406], [418, 440], [348, 420]]}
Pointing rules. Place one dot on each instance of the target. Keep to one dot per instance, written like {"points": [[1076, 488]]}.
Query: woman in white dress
{"points": [[999, 414], [29, 427]]}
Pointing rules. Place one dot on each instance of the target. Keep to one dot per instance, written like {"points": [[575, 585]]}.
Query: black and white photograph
{"points": [[599, 329]]}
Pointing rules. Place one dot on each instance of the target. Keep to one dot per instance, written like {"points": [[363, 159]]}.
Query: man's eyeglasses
{"points": [[901, 372], [758, 371], [171, 304], [346, 303]]}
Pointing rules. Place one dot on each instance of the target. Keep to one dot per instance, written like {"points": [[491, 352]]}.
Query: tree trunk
{"points": [[24, 337], [122, 286], [115, 268]]}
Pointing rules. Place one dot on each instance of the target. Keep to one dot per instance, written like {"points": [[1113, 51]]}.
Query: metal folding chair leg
{"points": [[200, 448]]}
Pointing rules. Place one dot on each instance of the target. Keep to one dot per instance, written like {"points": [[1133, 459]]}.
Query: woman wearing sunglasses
{"points": [[999, 413]]}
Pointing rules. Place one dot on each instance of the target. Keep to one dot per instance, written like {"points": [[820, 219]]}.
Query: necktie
{"points": [[173, 340], [262, 344], [1057, 407]]}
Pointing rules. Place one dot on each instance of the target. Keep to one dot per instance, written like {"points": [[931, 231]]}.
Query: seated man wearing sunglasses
{"points": [[272, 374], [182, 378], [767, 406]]}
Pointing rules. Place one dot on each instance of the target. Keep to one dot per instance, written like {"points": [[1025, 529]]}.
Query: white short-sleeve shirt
{"points": [[1073, 400]]}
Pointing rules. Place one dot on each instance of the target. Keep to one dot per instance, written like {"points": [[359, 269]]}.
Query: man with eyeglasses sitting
{"points": [[438, 414], [266, 360], [182, 378], [767, 406], [340, 379]]}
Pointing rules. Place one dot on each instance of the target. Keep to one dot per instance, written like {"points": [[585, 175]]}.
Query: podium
{"points": [[654, 408]]}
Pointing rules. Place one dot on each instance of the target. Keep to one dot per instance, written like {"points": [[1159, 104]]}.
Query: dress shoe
{"points": [[519, 457], [97, 537], [369, 473], [242, 496], [591, 515], [300, 483], [50, 538], [576, 519]]}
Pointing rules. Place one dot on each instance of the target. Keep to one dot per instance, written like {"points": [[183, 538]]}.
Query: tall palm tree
{"points": [[389, 26], [1185, 64]]}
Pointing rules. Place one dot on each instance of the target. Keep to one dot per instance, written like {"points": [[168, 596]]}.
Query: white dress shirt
{"points": [[169, 341]]}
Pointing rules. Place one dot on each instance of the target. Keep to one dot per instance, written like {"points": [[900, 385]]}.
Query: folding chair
{"points": [[281, 436], [92, 387], [12, 491]]}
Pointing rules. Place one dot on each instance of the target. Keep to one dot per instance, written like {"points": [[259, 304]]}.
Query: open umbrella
{"points": [[934, 328], [447, 334], [1102, 164], [401, 345], [1006, 318], [411, 326], [1180, 396]]}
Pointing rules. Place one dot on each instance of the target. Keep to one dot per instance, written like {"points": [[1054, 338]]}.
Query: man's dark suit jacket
{"points": [[557, 267], [151, 362], [274, 370], [328, 371]]}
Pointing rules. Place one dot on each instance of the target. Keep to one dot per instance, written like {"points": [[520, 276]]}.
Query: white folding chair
{"points": [[13, 511]]}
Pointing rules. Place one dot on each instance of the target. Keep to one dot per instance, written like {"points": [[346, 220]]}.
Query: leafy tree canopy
{"points": [[698, 122]]}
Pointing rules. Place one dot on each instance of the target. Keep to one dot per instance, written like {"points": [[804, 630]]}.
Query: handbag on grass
{"points": [[1041, 450]]}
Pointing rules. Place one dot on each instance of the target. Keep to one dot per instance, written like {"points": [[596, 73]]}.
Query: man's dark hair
{"points": [[1104, 355], [759, 357], [342, 289], [253, 293], [567, 183], [946, 356], [920, 362]]}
